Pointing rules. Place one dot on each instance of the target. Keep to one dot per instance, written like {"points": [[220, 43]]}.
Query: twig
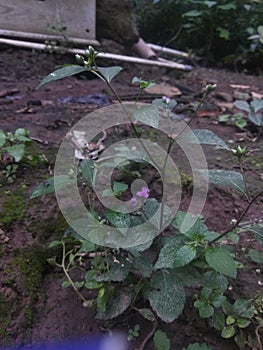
{"points": [[258, 336], [68, 276], [231, 228], [149, 336]]}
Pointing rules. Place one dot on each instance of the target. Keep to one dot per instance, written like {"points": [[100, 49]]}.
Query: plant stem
{"points": [[243, 174], [67, 274], [231, 228], [130, 120], [149, 336], [163, 179], [171, 142]]}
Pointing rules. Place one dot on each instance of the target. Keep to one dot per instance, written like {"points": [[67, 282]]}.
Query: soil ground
{"points": [[33, 305]]}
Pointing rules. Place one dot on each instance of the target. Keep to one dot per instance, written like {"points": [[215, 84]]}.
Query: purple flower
{"points": [[166, 100], [144, 192], [133, 201]]}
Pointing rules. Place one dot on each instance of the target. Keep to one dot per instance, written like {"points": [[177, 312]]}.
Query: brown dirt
{"points": [[45, 311]]}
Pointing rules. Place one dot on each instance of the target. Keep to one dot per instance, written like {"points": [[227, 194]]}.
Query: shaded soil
{"points": [[33, 305]]}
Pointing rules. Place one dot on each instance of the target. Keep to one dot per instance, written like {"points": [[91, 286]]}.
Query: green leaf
{"points": [[166, 296], [197, 346], [159, 102], [116, 304], [79, 284], [119, 187], [87, 170], [52, 184], [228, 178], [257, 105], [257, 230], [148, 115], [256, 256], [243, 322], [224, 118], [65, 284], [228, 332], [243, 105], [101, 300], [217, 300], [184, 256], [205, 137], [52, 262], [195, 222], [87, 247], [161, 341], [210, 3], [117, 273], [62, 73], [257, 119], [16, 151], [135, 251], [244, 307], [143, 83], [144, 265], [241, 340], [219, 320], [2, 138], [241, 123], [230, 320], [147, 314], [213, 280], [109, 73], [205, 293], [221, 261], [92, 285], [223, 33], [193, 13], [168, 252], [22, 135], [227, 7], [204, 308], [117, 219], [54, 244]]}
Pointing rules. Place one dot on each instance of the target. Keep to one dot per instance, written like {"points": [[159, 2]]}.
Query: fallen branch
{"points": [[38, 46], [169, 51]]}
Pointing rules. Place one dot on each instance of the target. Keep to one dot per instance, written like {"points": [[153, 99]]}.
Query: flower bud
{"points": [[239, 151], [210, 88]]}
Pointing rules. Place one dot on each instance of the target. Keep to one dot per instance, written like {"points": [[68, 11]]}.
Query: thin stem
{"points": [[130, 120], [163, 179], [67, 274], [138, 96], [140, 285], [258, 336], [243, 174], [149, 336], [171, 144], [231, 228]]}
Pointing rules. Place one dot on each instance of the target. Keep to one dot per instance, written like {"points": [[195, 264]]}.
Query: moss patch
{"points": [[13, 205], [49, 228], [32, 264], [6, 308]]}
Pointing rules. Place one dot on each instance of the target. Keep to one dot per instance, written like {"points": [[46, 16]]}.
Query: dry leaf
{"points": [[165, 90], [256, 95], [25, 110], [224, 106], [236, 86]]}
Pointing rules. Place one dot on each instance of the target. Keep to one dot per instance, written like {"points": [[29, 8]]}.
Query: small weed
{"points": [[134, 332]]}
